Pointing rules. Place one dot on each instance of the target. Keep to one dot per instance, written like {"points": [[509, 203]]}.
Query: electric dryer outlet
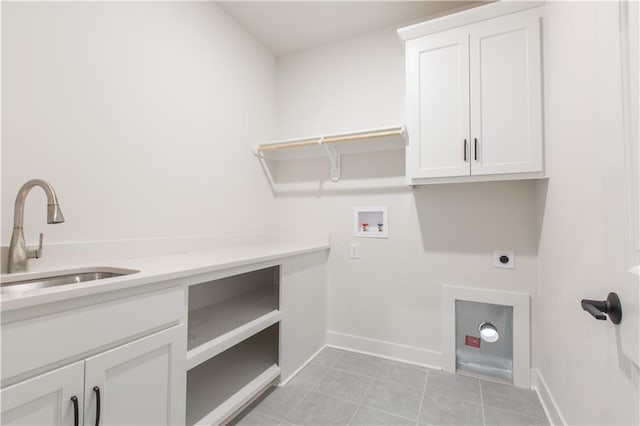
{"points": [[504, 259]]}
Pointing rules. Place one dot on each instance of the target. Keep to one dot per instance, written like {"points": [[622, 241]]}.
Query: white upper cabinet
{"points": [[438, 75], [506, 93], [474, 96]]}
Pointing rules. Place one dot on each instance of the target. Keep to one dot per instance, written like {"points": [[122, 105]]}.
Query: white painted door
{"points": [[438, 104], [46, 399], [506, 107], [618, 118], [621, 189], [140, 383]]}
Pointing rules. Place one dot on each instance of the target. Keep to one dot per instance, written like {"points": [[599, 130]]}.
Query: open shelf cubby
{"points": [[233, 343], [225, 312], [224, 384]]}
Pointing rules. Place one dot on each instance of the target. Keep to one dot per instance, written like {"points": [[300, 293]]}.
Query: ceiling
{"points": [[287, 26]]}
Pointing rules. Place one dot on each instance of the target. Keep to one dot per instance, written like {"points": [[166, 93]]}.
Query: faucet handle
{"points": [[37, 253]]}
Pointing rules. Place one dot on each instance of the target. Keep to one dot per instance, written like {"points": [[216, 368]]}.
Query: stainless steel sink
{"points": [[16, 285]]}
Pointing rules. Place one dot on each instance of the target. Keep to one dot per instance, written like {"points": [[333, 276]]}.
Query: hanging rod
{"points": [[332, 139]]}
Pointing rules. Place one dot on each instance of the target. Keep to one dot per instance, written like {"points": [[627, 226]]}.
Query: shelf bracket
{"points": [[334, 160], [256, 151]]}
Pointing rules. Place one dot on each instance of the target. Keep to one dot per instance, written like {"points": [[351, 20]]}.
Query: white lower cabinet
{"points": [[45, 399], [129, 345], [155, 358], [139, 383]]}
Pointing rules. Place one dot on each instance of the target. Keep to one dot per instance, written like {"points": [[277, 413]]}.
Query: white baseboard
{"points": [[551, 409], [395, 351], [292, 375]]}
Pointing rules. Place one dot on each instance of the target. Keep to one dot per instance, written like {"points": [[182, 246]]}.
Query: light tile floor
{"points": [[346, 388]]}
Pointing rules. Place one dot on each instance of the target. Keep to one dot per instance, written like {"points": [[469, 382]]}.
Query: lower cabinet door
{"points": [[46, 399], [140, 383]]}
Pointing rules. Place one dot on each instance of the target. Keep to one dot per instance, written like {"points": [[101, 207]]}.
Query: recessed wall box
{"points": [[370, 222], [492, 353]]}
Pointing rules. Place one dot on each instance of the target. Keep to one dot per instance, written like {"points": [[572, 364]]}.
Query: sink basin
{"points": [[16, 285]]}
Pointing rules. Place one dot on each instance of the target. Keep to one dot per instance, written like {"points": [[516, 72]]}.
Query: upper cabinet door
{"points": [[438, 105], [506, 96]]}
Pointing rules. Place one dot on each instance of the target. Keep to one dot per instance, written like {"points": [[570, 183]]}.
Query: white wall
{"points": [[140, 114], [578, 357], [441, 234]]}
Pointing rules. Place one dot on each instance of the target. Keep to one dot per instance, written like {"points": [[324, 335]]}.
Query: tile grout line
{"points": [[267, 416], [543, 417], [280, 421], [484, 419], [377, 378], [519, 413], [440, 392], [365, 393], [257, 411], [360, 404], [336, 397], [386, 412], [311, 389], [424, 391]]}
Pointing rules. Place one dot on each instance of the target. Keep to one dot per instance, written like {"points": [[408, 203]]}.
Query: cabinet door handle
{"points": [[465, 150], [97, 391], [475, 149], [76, 414]]}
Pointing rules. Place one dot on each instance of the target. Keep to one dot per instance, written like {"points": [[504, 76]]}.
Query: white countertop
{"points": [[159, 268]]}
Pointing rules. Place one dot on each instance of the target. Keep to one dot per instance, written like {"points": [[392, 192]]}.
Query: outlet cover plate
{"points": [[498, 263]]}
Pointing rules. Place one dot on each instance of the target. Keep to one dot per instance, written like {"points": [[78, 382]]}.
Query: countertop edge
{"points": [[146, 277]]}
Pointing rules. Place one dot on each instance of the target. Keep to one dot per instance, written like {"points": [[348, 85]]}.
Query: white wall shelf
{"points": [[217, 327], [334, 145]]}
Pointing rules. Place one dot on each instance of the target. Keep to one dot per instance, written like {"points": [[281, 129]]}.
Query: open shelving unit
{"points": [[219, 387], [334, 145], [232, 344], [217, 327]]}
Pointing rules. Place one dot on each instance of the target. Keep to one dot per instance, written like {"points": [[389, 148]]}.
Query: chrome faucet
{"points": [[18, 252]]}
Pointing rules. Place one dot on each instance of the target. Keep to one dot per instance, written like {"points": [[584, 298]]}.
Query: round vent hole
{"points": [[488, 332]]}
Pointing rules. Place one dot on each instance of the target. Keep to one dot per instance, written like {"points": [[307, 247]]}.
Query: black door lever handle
{"points": [[600, 309], [590, 306]]}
